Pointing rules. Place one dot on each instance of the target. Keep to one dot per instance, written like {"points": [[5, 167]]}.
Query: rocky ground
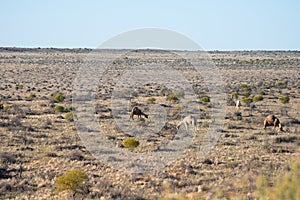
{"points": [[40, 142]]}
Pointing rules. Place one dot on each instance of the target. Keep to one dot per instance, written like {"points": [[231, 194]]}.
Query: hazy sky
{"points": [[214, 25]]}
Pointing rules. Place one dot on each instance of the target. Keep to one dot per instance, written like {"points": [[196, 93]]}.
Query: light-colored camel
{"points": [[136, 111], [238, 104], [271, 120], [187, 122]]}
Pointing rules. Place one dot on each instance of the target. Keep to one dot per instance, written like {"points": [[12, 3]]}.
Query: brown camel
{"points": [[271, 120]]}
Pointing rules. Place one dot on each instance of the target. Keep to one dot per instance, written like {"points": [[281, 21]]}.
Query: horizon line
{"points": [[93, 48]]}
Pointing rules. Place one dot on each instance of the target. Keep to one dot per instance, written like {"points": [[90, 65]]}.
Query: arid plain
{"points": [[40, 142]]}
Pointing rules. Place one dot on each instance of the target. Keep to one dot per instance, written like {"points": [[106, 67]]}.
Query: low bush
{"points": [[235, 95], [151, 99], [74, 181], [284, 99], [130, 143], [258, 98], [59, 108], [58, 97], [69, 117], [246, 94], [173, 97], [31, 96], [205, 99], [247, 100]]}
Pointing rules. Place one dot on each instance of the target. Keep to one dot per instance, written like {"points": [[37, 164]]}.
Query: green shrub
{"points": [[151, 99], [261, 92], [74, 180], [130, 143], [246, 94], [173, 97], [244, 86], [8, 107], [59, 108], [235, 95], [280, 84], [31, 96], [19, 86], [258, 98], [284, 99], [247, 100], [205, 99], [69, 116], [286, 187], [58, 97], [1, 106]]}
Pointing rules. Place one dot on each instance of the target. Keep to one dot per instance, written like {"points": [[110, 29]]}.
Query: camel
{"points": [[188, 121], [238, 104], [271, 120], [136, 111]]}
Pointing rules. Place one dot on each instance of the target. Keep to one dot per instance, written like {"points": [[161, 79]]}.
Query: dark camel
{"points": [[138, 112]]}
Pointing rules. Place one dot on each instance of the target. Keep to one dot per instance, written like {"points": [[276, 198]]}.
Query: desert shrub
{"points": [[58, 97], [69, 117], [179, 94], [235, 95], [130, 143], [280, 84], [1, 106], [7, 158], [284, 99], [151, 99], [31, 96], [286, 187], [8, 107], [246, 94], [74, 181], [244, 86], [19, 86], [247, 100], [205, 99], [59, 108], [261, 92], [172, 97], [258, 98]]}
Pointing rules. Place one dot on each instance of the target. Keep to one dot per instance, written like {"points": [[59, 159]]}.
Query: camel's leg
{"points": [[186, 125]]}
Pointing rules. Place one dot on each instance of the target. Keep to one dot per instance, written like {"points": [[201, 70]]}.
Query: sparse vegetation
{"points": [[284, 99], [205, 99], [173, 97], [58, 97], [247, 100], [32, 95], [74, 181], [38, 143], [59, 108], [235, 95], [130, 143], [19, 86], [151, 99], [286, 187], [258, 98], [69, 116]]}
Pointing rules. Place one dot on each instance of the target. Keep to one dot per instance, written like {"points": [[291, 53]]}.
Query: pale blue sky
{"points": [[214, 25]]}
